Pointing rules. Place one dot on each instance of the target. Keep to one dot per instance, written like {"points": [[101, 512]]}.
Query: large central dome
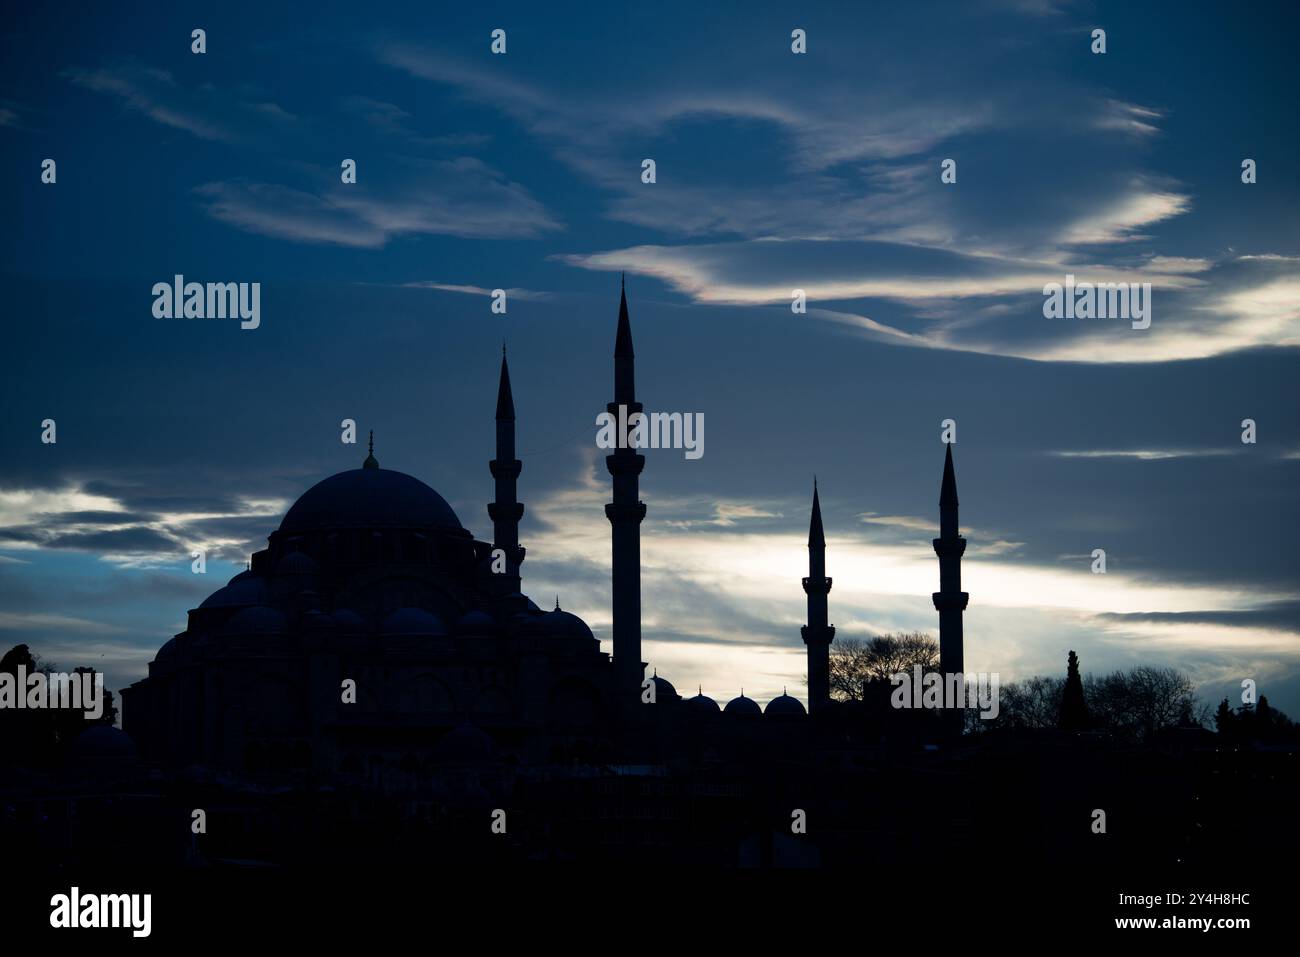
{"points": [[367, 497]]}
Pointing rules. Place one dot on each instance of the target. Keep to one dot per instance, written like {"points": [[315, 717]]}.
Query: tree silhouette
{"points": [[854, 663], [71, 722], [27, 736], [1260, 723], [1225, 722], [1033, 703], [1129, 705], [37, 737], [1074, 709]]}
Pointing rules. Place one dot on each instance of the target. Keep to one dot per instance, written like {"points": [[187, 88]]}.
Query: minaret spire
{"points": [[950, 601], [818, 633], [948, 495], [505, 398], [506, 511], [625, 514], [815, 534]]}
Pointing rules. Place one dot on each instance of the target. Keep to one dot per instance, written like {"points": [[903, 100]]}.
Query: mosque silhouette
{"points": [[377, 691], [372, 583]]}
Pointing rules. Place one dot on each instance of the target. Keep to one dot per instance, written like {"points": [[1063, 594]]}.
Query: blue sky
{"points": [[774, 172]]}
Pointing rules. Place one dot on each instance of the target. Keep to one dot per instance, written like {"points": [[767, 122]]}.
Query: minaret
{"points": [[506, 511], [625, 514], [817, 634], [949, 600]]}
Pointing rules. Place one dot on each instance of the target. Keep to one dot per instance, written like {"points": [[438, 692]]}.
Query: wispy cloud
{"points": [[394, 121], [1144, 455], [760, 273], [83, 626], [512, 293], [462, 197], [987, 304], [10, 113], [1140, 206], [1128, 118], [203, 111]]}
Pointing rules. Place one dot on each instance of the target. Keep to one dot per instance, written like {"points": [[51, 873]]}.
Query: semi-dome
{"points": [[370, 497], [348, 621], [465, 744], [259, 620], [244, 589], [742, 705], [318, 621], [784, 706], [476, 622], [560, 623], [413, 621], [296, 563], [167, 652]]}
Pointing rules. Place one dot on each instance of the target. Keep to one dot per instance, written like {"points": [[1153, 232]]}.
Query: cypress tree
{"points": [[1074, 710]]}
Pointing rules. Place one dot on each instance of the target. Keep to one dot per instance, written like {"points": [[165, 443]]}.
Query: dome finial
{"points": [[557, 602], [371, 462]]}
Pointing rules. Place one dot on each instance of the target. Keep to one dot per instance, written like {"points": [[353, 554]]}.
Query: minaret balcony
{"points": [[950, 600], [505, 511], [625, 462], [813, 635], [620, 512], [950, 547]]}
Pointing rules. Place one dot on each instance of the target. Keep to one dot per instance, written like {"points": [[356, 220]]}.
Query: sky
{"points": [[774, 171]]}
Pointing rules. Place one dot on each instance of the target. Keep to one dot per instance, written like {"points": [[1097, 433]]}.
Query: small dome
{"points": [[664, 690], [476, 623], [318, 621], [466, 743], [296, 563], [103, 741], [784, 706], [557, 623], [742, 705], [258, 620], [529, 623], [561, 622], [167, 652], [413, 621], [348, 622], [244, 589], [702, 704]]}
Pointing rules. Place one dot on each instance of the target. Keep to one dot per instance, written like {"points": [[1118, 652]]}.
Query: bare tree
{"points": [[1141, 701], [1032, 703], [1130, 705], [854, 662]]}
